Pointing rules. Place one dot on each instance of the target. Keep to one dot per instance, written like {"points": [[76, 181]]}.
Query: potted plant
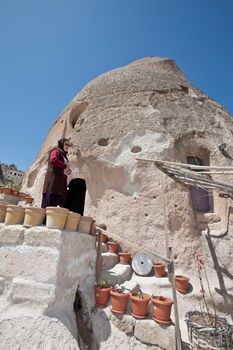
{"points": [[119, 298], [159, 269], [124, 258], [102, 293], [113, 246], [182, 283], [162, 309], [139, 304]]}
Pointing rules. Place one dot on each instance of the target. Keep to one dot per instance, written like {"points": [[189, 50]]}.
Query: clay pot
{"points": [[14, 215], [72, 221], [2, 212], [104, 238], [139, 306], [162, 309], [15, 192], [56, 217], [7, 190], [159, 269], [124, 258], [85, 224], [1, 189], [119, 302], [93, 228], [28, 199], [182, 283], [34, 217], [102, 296], [113, 247]]}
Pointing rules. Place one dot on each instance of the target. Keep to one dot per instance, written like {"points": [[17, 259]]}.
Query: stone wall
{"points": [[40, 272]]}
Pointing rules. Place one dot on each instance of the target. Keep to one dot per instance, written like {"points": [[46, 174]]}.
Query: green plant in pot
{"points": [[119, 298], [102, 293], [139, 304]]}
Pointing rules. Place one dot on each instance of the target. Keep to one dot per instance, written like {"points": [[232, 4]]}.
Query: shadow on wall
{"points": [[221, 273]]}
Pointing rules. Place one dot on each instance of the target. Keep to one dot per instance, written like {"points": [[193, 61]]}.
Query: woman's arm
{"points": [[54, 155]]}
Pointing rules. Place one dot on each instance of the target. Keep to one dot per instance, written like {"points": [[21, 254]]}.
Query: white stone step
{"points": [[118, 274], [109, 260]]}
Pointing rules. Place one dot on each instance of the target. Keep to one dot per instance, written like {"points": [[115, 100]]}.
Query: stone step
{"points": [[109, 260], [118, 274]]}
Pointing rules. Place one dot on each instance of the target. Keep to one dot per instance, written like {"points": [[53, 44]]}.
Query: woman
{"points": [[55, 183]]}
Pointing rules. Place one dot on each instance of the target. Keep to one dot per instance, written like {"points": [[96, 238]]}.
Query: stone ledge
{"points": [[11, 234], [2, 285], [23, 290]]}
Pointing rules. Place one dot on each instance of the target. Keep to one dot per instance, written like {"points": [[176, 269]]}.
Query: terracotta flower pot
{"points": [[34, 216], [14, 215], [84, 225], [139, 306], [119, 302], [159, 269], [113, 247], [102, 296], [28, 199], [7, 190], [104, 238], [2, 212], [182, 283], [93, 228], [124, 258], [162, 309], [72, 221], [15, 192], [56, 217], [1, 189]]}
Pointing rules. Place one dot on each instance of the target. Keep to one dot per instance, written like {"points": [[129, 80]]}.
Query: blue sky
{"points": [[51, 48]]}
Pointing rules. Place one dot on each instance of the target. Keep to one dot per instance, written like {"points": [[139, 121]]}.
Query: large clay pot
{"points": [[159, 269], [124, 258], [84, 225], [72, 221], [182, 283], [162, 309], [93, 228], [139, 305], [2, 212], [56, 217], [119, 302], [113, 247], [14, 215], [34, 216], [102, 296]]}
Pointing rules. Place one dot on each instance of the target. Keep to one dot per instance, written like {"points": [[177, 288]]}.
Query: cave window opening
{"points": [[202, 200]]}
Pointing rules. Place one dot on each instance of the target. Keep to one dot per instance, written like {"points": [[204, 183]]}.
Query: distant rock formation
{"points": [[10, 175]]}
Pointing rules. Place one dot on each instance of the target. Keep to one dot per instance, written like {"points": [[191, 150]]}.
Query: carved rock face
{"points": [[147, 108]]}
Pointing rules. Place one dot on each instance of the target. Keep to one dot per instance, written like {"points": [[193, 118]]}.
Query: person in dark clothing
{"points": [[55, 183]]}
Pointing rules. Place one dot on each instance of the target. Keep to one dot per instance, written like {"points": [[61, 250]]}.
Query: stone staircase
{"points": [[113, 271]]}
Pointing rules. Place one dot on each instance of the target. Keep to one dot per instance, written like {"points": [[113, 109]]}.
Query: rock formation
{"points": [[149, 108]]}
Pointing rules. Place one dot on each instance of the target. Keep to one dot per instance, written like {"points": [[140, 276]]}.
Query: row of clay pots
{"points": [[139, 305], [11, 191], [56, 217]]}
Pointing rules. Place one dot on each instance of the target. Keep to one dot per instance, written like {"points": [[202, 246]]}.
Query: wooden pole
{"points": [[166, 228], [99, 257], [171, 277]]}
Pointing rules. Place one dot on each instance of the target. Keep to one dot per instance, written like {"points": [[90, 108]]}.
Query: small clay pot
{"points": [[56, 217], [104, 238], [159, 269], [182, 283], [162, 309], [34, 216], [7, 190], [14, 215], [139, 306], [28, 200], [119, 302], [84, 225], [124, 258], [113, 247], [2, 212], [102, 296], [72, 221]]}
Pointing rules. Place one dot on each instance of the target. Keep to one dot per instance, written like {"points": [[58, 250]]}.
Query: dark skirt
{"points": [[52, 200]]}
